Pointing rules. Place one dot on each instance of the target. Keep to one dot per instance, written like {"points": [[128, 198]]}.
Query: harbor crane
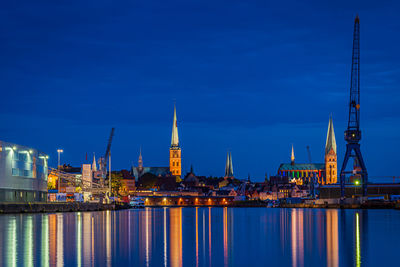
{"points": [[353, 133]]}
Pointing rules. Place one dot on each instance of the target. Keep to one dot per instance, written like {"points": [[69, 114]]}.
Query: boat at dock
{"points": [[137, 202]]}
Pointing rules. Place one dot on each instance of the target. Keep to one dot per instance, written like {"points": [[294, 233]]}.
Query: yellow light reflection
{"points": [[86, 236], [209, 234], [225, 230], [332, 242], [176, 236], [358, 250], [204, 236], [297, 237], [197, 238], [53, 239]]}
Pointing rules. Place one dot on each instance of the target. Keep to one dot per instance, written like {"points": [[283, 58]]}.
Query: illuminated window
{"points": [[15, 172]]}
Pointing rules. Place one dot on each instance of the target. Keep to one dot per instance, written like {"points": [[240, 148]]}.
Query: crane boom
{"points": [[109, 144], [309, 154]]}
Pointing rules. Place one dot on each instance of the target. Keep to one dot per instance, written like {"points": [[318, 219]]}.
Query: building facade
{"points": [[23, 173], [140, 170]]}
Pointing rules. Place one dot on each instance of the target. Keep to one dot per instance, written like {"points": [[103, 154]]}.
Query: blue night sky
{"points": [[249, 76]]}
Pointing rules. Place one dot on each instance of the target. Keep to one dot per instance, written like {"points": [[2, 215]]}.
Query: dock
{"points": [[43, 207]]}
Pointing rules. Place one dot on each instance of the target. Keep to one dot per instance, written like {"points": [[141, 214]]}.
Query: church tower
{"points": [[292, 156], [175, 166], [140, 163], [228, 166], [330, 155], [94, 167]]}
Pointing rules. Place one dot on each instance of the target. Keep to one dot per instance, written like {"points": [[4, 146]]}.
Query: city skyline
{"points": [[251, 85]]}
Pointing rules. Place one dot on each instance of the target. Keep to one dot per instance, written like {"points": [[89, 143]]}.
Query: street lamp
{"points": [[59, 151]]}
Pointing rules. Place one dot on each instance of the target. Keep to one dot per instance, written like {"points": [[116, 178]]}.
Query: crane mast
{"points": [[353, 133]]}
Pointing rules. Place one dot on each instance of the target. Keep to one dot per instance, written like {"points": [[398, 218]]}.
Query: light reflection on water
{"points": [[201, 237]]}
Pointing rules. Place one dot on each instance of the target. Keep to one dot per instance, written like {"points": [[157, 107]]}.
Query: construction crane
{"points": [[108, 150], [353, 133], [309, 154], [103, 160]]}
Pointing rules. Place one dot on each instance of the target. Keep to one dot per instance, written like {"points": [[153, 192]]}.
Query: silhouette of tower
{"points": [[353, 133]]}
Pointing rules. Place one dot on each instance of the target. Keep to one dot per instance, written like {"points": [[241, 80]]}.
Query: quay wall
{"points": [[56, 207], [333, 191]]}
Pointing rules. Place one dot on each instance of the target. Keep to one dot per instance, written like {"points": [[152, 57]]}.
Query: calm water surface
{"points": [[202, 237]]}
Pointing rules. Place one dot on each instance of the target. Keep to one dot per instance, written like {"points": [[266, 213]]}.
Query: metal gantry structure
{"points": [[353, 133], [69, 179]]}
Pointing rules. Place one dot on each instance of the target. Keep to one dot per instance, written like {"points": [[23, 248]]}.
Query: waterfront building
{"points": [[301, 172], [127, 183], [191, 179], [324, 173], [228, 166], [175, 153], [23, 173]]}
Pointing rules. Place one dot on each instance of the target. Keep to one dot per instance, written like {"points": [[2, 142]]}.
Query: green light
{"points": [[358, 245], [357, 182]]}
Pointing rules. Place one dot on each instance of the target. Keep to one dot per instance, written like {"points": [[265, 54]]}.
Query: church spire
{"points": [[229, 165], [292, 156], [174, 137], [94, 167], [140, 160], [330, 138]]}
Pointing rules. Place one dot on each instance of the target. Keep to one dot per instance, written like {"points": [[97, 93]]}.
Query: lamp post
{"points": [[109, 173], [59, 151]]}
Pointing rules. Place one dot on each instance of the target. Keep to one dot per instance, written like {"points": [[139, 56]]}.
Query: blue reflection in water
{"points": [[201, 237]]}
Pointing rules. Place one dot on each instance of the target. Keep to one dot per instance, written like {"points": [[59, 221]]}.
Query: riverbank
{"points": [[57, 207], [6, 208]]}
